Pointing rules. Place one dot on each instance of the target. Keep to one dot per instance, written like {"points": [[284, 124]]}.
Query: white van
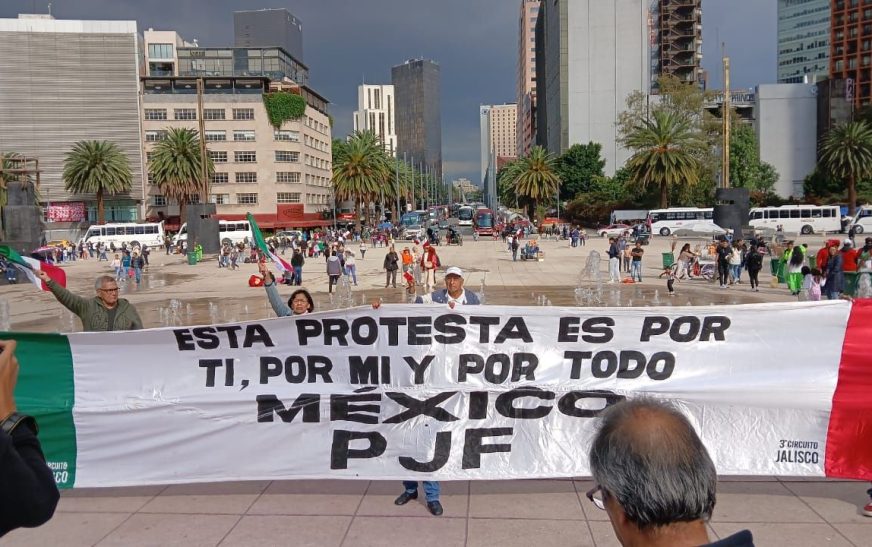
{"points": [[148, 233], [800, 219], [862, 221], [236, 231]]}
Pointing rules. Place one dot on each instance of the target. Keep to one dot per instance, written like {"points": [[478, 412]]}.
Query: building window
{"points": [[246, 199], [285, 156], [247, 177], [159, 201], [194, 199], [213, 135], [217, 157], [219, 199], [185, 113], [220, 178], [160, 51], [155, 135], [243, 113], [288, 197], [286, 136], [288, 177], [243, 135], [155, 113], [245, 157], [149, 156], [213, 114]]}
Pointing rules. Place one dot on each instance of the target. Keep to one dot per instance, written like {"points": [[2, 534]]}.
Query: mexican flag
{"points": [[29, 266], [281, 265]]}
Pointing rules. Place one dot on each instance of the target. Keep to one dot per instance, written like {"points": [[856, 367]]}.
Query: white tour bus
{"points": [[862, 221], [148, 233], [464, 216], [234, 230], [802, 219], [666, 221]]}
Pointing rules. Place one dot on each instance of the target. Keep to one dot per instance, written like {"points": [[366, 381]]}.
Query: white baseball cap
{"points": [[454, 270]]}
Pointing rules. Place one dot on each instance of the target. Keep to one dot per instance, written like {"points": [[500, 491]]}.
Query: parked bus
{"points": [[464, 215], [804, 219], [147, 233], [413, 218], [666, 221], [862, 221], [484, 222], [236, 231]]}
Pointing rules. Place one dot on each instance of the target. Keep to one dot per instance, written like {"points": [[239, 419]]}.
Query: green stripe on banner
{"points": [[46, 391]]}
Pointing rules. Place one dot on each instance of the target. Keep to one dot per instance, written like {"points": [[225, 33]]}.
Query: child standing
{"points": [[670, 279], [815, 281]]}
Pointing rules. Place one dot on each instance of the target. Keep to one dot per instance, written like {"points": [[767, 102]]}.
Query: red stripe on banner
{"points": [[849, 437]]}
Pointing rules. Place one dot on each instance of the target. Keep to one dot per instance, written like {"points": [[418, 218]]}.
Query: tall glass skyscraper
{"points": [[803, 40], [418, 112]]}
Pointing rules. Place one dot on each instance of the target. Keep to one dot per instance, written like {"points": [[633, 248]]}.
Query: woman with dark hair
{"points": [[835, 275], [300, 302], [794, 269]]}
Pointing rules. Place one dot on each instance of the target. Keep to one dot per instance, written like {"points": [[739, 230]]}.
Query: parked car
{"points": [[290, 234], [614, 230], [414, 231]]}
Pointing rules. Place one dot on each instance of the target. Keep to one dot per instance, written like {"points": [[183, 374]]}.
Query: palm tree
{"points": [[97, 167], [361, 169], [534, 177], [176, 169], [664, 146], [846, 151]]}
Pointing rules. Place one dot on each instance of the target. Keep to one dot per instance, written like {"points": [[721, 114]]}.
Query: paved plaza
{"points": [[780, 511]]}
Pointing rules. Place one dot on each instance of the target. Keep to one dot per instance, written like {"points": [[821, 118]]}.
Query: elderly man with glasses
{"points": [[104, 312], [654, 477]]}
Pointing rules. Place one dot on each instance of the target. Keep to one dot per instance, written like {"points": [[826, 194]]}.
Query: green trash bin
{"points": [[668, 260], [851, 280], [192, 258], [776, 270]]}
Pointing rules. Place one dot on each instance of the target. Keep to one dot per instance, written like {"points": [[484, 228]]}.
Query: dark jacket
{"points": [[391, 260], [441, 297], [835, 274], [297, 260], [28, 493], [92, 312]]}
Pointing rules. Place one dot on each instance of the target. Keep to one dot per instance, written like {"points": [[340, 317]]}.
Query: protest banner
{"points": [[430, 392]]}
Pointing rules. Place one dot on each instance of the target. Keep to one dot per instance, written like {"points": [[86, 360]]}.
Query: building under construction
{"points": [[676, 40]]}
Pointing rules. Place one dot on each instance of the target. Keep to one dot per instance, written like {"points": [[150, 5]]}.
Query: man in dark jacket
{"points": [[28, 493], [104, 312]]}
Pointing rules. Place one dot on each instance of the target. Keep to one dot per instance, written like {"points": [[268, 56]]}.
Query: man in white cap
{"points": [[454, 295]]}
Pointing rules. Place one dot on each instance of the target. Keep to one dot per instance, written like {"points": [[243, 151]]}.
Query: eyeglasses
{"points": [[595, 495], [110, 290], [300, 301]]}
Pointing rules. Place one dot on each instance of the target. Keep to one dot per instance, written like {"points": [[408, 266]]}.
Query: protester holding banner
{"points": [[28, 493], [654, 477], [300, 302], [104, 312]]}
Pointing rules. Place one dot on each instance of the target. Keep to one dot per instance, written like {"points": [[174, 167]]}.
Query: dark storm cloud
{"points": [[474, 42]]}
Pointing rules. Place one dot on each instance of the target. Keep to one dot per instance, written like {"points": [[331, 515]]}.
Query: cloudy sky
{"points": [[474, 41]]}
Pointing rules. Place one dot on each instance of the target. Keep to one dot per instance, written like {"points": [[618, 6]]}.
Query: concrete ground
{"points": [[779, 511]]}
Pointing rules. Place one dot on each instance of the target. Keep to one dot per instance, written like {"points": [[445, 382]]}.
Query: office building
{"points": [[803, 40], [526, 124], [677, 47], [591, 55], [375, 112], [281, 175], [498, 133], [269, 28], [418, 113], [64, 81], [851, 48], [786, 122]]}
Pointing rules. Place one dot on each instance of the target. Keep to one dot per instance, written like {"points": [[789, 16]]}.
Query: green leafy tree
{"points": [[746, 168], [99, 168], [846, 152], [176, 168], [577, 168], [663, 153], [361, 169], [535, 178]]}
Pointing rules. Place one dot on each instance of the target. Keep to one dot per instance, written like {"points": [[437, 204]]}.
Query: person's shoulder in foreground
{"points": [[654, 477]]}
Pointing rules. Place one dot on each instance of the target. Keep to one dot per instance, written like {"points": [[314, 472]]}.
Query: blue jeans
{"points": [[636, 270], [138, 273], [737, 271], [431, 489], [298, 275], [351, 271]]}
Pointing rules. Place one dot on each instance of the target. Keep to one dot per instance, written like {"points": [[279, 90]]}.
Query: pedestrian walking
{"points": [[391, 266], [334, 271], [754, 263], [351, 267], [614, 261]]}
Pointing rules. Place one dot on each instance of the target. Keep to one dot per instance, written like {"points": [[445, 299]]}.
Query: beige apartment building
{"points": [[503, 130], [526, 79], [283, 176]]}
